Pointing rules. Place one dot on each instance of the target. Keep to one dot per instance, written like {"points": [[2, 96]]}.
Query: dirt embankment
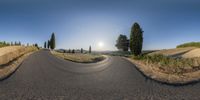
{"points": [[11, 57]]}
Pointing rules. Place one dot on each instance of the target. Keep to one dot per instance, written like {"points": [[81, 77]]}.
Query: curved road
{"points": [[45, 77]]}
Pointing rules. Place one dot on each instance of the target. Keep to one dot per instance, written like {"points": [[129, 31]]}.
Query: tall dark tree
{"points": [[90, 49], [136, 39], [122, 43], [52, 41], [4, 42], [73, 51], [45, 44], [11, 43], [48, 44], [81, 50], [19, 43], [36, 45], [69, 51]]}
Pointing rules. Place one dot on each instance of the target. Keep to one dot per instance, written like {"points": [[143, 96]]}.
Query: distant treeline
{"points": [[3, 44], [190, 44]]}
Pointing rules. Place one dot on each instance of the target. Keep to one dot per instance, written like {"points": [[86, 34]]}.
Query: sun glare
{"points": [[100, 44]]}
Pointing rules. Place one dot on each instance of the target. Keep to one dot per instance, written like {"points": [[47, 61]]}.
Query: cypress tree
{"points": [[81, 50], [69, 51], [4, 42], [45, 44], [48, 44], [52, 41], [90, 49], [73, 51], [136, 39]]}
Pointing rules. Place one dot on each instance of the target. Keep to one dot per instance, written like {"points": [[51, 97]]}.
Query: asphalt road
{"points": [[45, 77]]}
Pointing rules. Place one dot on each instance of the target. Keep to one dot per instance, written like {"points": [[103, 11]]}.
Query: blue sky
{"points": [[80, 23]]}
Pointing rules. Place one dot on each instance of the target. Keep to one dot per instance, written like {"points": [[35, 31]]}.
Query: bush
{"points": [[190, 44]]}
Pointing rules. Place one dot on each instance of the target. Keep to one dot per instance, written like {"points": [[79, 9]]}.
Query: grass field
{"points": [[80, 58], [177, 52], [170, 65]]}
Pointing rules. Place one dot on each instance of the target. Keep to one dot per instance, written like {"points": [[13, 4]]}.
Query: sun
{"points": [[100, 44]]}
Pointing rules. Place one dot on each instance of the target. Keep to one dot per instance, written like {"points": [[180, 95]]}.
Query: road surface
{"points": [[45, 77]]}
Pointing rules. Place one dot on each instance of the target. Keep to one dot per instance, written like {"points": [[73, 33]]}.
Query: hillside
{"points": [[190, 44]]}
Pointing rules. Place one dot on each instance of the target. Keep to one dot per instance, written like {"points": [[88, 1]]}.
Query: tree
{"points": [[52, 41], [136, 39], [36, 45], [69, 51], [73, 51], [4, 42], [81, 50], [90, 49], [11, 43], [122, 43], [19, 43], [45, 44], [48, 44]]}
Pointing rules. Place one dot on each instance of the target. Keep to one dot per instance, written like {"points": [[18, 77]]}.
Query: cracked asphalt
{"points": [[45, 77]]}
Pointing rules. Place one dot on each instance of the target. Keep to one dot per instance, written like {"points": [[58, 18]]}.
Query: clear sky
{"points": [[80, 23]]}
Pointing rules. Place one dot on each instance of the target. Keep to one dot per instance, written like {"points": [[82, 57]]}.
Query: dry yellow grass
{"points": [[80, 58], [173, 52], [192, 53], [13, 58], [9, 53], [155, 73]]}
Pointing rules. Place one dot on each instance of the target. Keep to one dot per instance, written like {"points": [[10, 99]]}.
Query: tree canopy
{"points": [[122, 43]]}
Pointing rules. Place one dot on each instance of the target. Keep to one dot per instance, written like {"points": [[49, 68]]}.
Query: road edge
{"points": [[13, 66]]}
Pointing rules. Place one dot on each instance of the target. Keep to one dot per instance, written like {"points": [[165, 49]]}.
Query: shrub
{"points": [[190, 44]]}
